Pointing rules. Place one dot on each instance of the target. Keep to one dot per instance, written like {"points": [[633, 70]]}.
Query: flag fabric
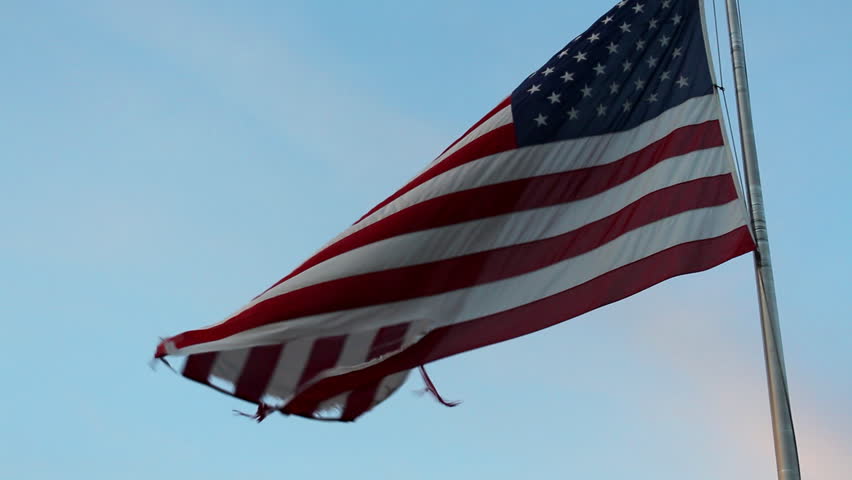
{"points": [[604, 172]]}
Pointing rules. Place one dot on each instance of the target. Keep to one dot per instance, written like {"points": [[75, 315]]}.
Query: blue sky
{"points": [[166, 161]]}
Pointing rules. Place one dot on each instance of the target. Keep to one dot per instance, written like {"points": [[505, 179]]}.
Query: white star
{"points": [[640, 45], [567, 77], [677, 52], [563, 53], [626, 65], [580, 56], [664, 40], [625, 27], [601, 110], [652, 24], [638, 8], [665, 76], [587, 91], [554, 97], [612, 47], [626, 105], [652, 98], [535, 88], [639, 83], [594, 37], [600, 69], [667, 3], [652, 61], [682, 82], [613, 88], [607, 19], [622, 3], [547, 71], [541, 120], [573, 113], [677, 18]]}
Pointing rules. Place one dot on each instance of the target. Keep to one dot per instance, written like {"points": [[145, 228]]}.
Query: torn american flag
{"points": [[604, 173]]}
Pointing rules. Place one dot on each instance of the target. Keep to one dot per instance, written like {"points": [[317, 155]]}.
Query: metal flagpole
{"points": [[786, 454]]}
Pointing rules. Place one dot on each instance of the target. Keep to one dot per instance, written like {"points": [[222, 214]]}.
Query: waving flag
{"points": [[604, 173]]}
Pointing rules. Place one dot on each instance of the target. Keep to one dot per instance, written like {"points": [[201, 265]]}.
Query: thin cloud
{"points": [[298, 97]]}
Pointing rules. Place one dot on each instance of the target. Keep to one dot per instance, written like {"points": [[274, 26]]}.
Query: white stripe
{"points": [[500, 118], [333, 407], [486, 299], [504, 230], [228, 366], [357, 347], [291, 364]]}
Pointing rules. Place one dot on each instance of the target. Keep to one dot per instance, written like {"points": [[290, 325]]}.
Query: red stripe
{"points": [[409, 282], [505, 103], [324, 354], [360, 400], [608, 288], [199, 366], [257, 371], [526, 193]]}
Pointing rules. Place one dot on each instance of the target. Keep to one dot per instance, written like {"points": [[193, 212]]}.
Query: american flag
{"points": [[604, 173]]}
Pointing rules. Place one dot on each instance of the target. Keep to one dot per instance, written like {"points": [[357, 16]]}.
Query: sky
{"points": [[164, 162]]}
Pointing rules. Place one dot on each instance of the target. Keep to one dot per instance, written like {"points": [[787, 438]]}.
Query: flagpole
{"points": [[786, 454]]}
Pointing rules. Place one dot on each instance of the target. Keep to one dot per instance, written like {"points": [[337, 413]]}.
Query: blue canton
{"points": [[640, 59]]}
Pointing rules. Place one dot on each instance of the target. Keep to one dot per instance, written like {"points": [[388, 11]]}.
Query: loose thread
{"points": [[263, 411], [430, 387]]}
